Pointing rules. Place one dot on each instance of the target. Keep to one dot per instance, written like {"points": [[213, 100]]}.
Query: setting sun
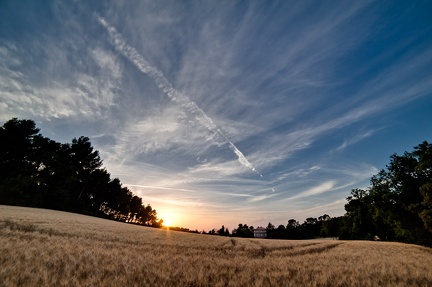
{"points": [[167, 222], [169, 218]]}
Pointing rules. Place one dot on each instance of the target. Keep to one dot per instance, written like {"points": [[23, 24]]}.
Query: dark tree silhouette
{"points": [[243, 230], [36, 171], [397, 205]]}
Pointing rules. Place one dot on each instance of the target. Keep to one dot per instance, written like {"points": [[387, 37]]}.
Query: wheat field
{"points": [[51, 248]]}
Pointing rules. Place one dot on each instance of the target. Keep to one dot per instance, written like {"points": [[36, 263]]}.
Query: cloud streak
{"points": [[324, 187], [166, 87]]}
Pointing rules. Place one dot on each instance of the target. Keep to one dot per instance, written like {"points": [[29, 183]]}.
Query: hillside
{"points": [[50, 248]]}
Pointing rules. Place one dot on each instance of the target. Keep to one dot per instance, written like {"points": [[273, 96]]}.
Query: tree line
{"points": [[36, 171], [323, 226], [39, 172], [397, 206]]}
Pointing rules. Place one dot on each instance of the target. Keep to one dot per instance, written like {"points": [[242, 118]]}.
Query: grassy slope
{"points": [[50, 248]]}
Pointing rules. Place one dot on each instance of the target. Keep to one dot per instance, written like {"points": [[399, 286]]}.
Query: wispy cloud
{"points": [[168, 89], [161, 187], [298, 172], [324, 187], [82, 95], [263, 197], [355, 139]]}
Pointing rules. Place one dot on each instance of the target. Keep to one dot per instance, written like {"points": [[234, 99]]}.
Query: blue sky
{"points": [[225, 112]]}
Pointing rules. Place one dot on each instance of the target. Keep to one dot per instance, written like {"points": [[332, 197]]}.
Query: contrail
{"points": [[164, 85]]}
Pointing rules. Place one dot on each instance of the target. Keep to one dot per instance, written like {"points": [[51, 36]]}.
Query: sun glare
{"points": [[170, 218], [167, 222]]}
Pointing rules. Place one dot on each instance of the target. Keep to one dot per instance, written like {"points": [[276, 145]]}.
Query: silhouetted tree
{"points": [[37, 171], [292, 231], [223, 231], [243, 230], [17, 162], [397, 204]]}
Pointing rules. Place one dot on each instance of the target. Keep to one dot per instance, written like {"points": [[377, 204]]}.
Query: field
{"points": [[51, 248]]}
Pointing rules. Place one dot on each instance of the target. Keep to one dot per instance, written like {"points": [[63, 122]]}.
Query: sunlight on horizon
{"points": [[167, 222], [169, 218]]}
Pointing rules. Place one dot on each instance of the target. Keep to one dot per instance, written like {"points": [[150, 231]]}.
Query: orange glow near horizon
{"points": [[169, 218], [191, 218]]}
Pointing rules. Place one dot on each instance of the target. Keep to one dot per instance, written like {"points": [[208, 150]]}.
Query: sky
{"points": [[225, 112]]}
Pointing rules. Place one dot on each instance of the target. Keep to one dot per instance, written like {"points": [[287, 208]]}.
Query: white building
{"points": [[260, 232]]}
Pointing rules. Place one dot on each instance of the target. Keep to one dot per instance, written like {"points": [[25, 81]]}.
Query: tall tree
{"points": [[17, 167], [37, 171], [397, 205]]}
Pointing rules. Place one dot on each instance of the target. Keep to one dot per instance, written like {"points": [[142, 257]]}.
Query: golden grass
{"points": [[50, 248]]}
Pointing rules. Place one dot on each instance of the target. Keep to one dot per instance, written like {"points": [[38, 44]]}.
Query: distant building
{"points": [[260, 232]]}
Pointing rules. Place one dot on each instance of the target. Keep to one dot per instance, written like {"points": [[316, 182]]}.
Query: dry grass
{"points": [[50, 248]]}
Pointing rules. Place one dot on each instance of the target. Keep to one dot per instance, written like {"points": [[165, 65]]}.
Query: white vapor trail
{"points": [[164, 85]]}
